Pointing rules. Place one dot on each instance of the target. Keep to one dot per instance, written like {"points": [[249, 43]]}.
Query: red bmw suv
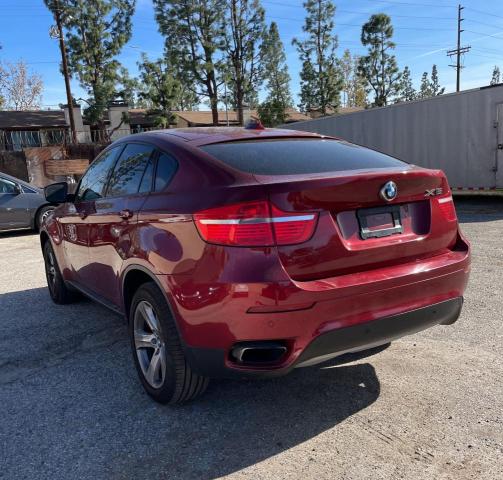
{"points": [[238, 252]]}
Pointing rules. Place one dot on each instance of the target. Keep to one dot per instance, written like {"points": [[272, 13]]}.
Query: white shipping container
{"points": [[460, 133]]}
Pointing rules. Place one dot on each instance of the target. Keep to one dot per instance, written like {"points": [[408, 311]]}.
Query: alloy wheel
{"points": [[149, 345], [50, 268], [45, 215]]}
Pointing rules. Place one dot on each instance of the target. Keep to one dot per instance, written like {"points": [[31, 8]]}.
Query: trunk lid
{"points": [[358, 229]]}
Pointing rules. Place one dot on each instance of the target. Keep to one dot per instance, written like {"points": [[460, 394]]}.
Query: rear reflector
{"points": [[447, 208], [254, 224]]}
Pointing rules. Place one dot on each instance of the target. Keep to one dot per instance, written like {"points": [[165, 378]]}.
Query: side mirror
{"points": [[56, 192], [17, 190]]}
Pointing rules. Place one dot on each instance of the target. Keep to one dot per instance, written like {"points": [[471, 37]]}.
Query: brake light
{"points": [[254, 224], [446, 205]]}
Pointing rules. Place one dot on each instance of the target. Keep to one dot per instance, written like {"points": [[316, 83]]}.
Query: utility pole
{"points": [[458, 51], [59, 35]]}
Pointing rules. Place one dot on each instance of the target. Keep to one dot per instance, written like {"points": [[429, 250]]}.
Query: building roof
{"points": [[344, 110], [205, 117], [316, 112], [12, 119], [138, 116]]}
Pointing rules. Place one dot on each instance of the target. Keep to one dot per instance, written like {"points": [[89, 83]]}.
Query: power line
{"points": [[491, 14], [488, 56], [412, 4], [484, 23], [485, 34], [342, 10], [290, 19]]}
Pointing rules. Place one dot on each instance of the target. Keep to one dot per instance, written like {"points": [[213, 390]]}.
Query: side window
{"points": [[94, 180], [6, 186], [27, 190], [129, 169], [148, 175], [166, 168]]}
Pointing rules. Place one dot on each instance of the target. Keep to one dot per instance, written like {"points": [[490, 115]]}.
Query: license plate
{"points": [[379, 222]]}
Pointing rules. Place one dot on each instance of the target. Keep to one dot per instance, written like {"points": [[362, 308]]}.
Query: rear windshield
{"points": [[296, 156]]}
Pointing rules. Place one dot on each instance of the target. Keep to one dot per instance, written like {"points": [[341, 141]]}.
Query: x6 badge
{"points": [[433, 192]]}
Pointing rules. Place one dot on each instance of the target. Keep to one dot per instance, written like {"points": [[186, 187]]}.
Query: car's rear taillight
{"points": [[446, 205], [254, 224]]}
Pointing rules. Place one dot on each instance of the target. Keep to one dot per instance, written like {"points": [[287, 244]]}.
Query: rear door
{"points": [[14, 206], [114, 218], [74, 216]]}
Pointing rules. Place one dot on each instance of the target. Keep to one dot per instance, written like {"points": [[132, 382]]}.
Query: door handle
{"points": [[126, 214]]}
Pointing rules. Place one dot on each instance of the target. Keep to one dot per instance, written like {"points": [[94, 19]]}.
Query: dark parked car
{"points": [[249, 252], [22, 205]]}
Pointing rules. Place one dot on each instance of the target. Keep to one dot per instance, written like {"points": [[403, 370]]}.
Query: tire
{"points": [[58, 290], [41, 214], [157, 350]]}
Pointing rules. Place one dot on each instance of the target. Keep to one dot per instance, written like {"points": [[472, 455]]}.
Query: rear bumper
{"points": [[213, 362], [310, 319]]}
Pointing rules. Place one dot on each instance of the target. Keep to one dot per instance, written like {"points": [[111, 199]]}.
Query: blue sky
{"points": [[424, 29]]}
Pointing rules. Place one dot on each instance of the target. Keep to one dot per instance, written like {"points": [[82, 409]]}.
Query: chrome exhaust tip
{"points": [[258, 352]]}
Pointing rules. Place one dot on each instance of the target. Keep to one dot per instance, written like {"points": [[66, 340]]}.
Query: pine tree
{"points": [[321, 80], [407, 91], [193, 35], [346, 69], [96, 33], [244, 25], [425, 88], [496, 77], [379, 67], [279, 98], [160, 89], [354, 85], [128, 88], [435, 87]]}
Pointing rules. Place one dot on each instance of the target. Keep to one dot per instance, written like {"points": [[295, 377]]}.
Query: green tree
{"points": [[435, 87], [379, 67], [245, 29], [425, 87], [96, 32], [496, 76], [193, 37], [321, 80], [407, 91], [346, 69], [272, 111], [354, 85], [159, 89], [128, 89], [430, 87]]}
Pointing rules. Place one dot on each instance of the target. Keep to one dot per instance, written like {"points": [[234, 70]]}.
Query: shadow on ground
{"points": [[471, 209], [16, 233], [70, 397]]}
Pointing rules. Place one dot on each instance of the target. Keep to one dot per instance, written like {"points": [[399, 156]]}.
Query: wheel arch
{"points": [[44, 237], [135, 276]]}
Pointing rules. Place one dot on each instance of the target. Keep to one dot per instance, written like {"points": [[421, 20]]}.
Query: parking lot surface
{"points": [[428, 407]]}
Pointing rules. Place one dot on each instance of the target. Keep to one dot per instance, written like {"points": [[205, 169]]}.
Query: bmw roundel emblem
{"points": [[389, 191]]}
